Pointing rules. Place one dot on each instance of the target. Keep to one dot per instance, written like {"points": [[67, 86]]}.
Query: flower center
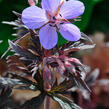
{"points": [[54, 20]]}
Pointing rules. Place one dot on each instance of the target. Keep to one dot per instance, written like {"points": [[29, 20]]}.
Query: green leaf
{"points": [[65, 103]]}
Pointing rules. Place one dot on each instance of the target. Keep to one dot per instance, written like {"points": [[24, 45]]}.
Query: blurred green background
{"points": [[94, 19]]}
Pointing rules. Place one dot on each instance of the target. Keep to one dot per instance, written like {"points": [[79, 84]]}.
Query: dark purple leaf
{"points": [[23, 52], [85, 37], [17, 14], [91, 78], [34, 103], [4, 95], [65, 103], [36, 42], [64, 86], [9, 82]]}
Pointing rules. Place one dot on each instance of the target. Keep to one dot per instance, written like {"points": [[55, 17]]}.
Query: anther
{"points": [[62, 23], [54, 18], [60, 15], [51, 25]]}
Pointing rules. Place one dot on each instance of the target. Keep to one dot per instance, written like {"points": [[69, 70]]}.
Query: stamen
{"points": [[52, 21], [43, 25], [64, 20], [50, 25], [49, 14], [77, 19], [54, 18], [58, 9], [62, 23], [60, 15]]}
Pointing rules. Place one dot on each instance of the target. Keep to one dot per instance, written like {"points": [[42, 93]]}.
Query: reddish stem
{"points": [[47, 103]]}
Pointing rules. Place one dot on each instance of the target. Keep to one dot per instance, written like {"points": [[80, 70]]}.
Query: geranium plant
{"points": [[52, 69]]}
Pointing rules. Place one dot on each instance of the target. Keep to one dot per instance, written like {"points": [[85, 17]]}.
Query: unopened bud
{"points": [[32, 2]]}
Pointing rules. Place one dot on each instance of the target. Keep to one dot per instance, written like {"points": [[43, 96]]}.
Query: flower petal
{"points": [[48, 36], [70, 32], [34, 17], [72, 9], [50, 5]]}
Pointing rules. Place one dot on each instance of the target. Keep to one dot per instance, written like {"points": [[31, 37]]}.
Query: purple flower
{"points": [[53, 17]]}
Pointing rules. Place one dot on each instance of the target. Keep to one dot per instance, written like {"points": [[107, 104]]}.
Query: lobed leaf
{"points": [[9, 82], [62, 87], [23, 52], [16, 65], [18, 83], [79, 47], [85, 37]]}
